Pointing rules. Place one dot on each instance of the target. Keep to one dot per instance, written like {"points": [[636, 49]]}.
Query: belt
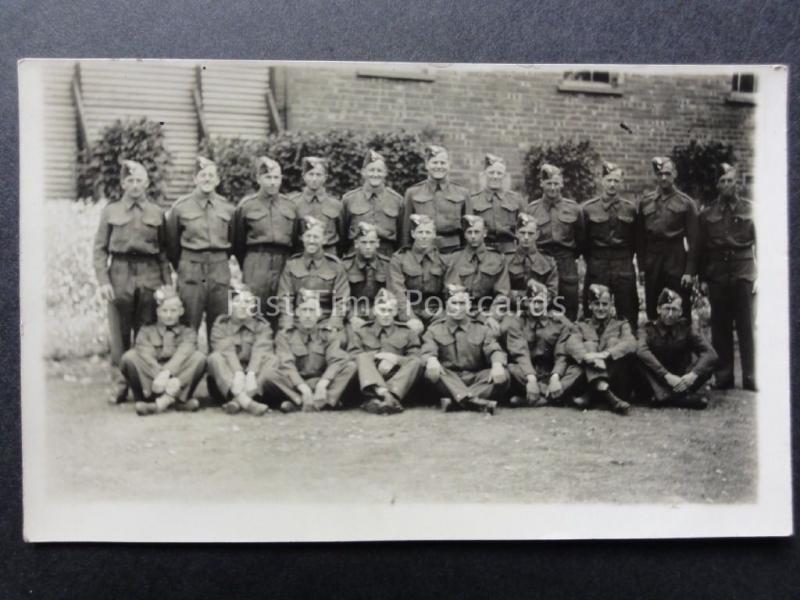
{"points": [[726, 254], [268, 247], [610, 253], [204, 256], [559, 252], [134, 256]]}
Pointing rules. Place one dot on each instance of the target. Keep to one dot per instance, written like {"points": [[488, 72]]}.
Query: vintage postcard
{"points": [[320, 301]]}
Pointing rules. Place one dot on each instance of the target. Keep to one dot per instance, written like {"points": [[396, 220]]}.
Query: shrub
{"points": [[698, 167], [141, 140], [344, 150], [577, 160]]}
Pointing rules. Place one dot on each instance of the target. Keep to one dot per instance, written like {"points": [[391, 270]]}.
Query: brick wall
{"points": [[506, 112]]}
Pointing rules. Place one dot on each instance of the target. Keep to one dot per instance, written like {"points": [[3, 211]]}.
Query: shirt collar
{"points": [[369, 190], [162, 329], [267, 196], [421, 254], [202, 200], [432, 183], [362, 262], [453, 326], [310, 194], [307, 258], [551, 203], [608, 202], [130, 202], [248, 323]]}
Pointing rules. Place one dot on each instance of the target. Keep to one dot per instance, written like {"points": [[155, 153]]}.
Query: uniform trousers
{"points": [[140, 375], [732, 305], [276, 386], [398, 381], [220, 376], [204, 279]]}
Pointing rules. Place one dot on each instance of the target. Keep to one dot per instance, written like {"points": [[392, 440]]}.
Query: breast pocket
{"points": [[195, 228], [599, 227], [564, 227], [624, 227], [121, 233], [386, 220], [412, 275], [448, 216], [676, 217], [743, 230]]}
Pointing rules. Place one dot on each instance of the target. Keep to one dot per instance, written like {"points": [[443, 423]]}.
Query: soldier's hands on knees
{"points": [[532, 389], [416, 326], [599, 363], [172, 387], [499, 374], [238, 385], [672, 380], [433, 369], [307, 395], [385, 367], [554, 390], [250, 383], [160, 381], [106, 292], [321, 392]]}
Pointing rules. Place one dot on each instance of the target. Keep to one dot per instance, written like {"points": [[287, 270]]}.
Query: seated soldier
{"points": [[526, 262], [315, 270], [164, 366], [536, 343], [675, 359], [313, 370], [482, 272], [241, 356], [416, 275], [367, 271], [463, 359], [603, 345], [387, 357]]}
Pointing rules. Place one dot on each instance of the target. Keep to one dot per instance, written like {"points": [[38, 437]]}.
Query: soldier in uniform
{"points": [[561, 234], [242, 355], [315, 201], [482, 272], [603, 346], [265, 228], [314, 269], [376, 204], [387, 357], [416, 275], [611, 234], [367, 272], [675, 359], [668, 220], [727, 249], [526, 262], [498, 207], [437, 198], [164, 366], [199, 245], [536, 342], [463, 359], [313, 371], [130, 262]]}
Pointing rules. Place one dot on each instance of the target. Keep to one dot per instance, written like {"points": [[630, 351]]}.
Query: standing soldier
{"points": [[668, 217], [199, 245], [497, 206], [536, 342], [611, 232], [416, 275], [482, 272], [314, 270], [367, 272], [387, 358], [603, 346], [526, 262], [463, 359], [376, 204], [560, 234], [130, 234], [315, 201], [727, 249], [264, 232], [437, 198], [675, 359]]}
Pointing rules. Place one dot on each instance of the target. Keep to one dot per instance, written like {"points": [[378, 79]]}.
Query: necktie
{"points": [[369, 277], [168, 343]]}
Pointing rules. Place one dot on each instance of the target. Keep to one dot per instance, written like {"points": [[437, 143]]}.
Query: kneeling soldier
{"points": [[601, 345], [242, 355], [463, 359], [536, 343], [666, 350], [388, 365], [313, 370], [367, 271], [164, 366]]}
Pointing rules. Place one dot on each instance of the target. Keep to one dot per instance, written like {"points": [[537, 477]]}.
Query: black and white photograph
{"points": [[334, 301]]}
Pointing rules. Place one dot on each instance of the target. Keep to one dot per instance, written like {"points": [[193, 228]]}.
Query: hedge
{"points": [[698, 167], [578, 162]]}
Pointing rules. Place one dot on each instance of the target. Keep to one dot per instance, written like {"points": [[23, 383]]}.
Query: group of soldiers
{"points": [[461, 299]]}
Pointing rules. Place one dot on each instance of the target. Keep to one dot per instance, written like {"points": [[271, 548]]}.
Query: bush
{"points": [[698, 167], [344, 150], [75, 317], [142, 141], [578, 162]]}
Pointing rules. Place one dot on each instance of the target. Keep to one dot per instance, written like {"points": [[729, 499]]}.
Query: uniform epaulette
{"points": [[349, 255], [650, 194], [298, 255], [592, 200], [628, 200], [393, 191], [332, 256], [246, 199], [383, 257], [399, 324], [570, 200], [350, 193]]}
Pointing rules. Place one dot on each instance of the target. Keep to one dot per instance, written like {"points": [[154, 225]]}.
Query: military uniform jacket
{"points": [[499, 210], [197, 223], [245, 345], [414, 271], [382, 208], [323, 273], [666, 350], [665, 218], [366, 277], [325, 207], [561, 227], [587, 336], [538, 346], [398, 338], [483, 272], [264, 219], [445, 203], [726, 243], [162, 347], [307, 354], [465, 346], [610, 223], [523, 265], [128, 227]]}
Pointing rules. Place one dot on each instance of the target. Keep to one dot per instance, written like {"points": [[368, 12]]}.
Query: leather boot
{"points": [[616, 404]]}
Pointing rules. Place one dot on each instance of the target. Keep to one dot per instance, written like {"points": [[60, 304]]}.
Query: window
{"points": [[743, 88], [592, 82]]}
